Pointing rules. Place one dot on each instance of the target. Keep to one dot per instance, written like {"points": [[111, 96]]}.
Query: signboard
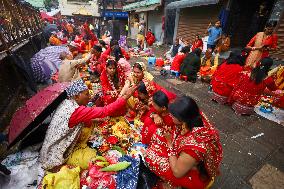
{"points": [[115, 14]]}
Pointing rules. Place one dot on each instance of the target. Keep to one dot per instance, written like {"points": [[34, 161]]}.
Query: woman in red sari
{"points": [[150, 37], [178, 59], [227, 76], [247, 92], [261, 44], [143, 98], [112, 81], [159, 117], [198, 43], [191, 154]]}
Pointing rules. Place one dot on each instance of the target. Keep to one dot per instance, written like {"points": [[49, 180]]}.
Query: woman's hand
{"points": [[128, 92], [157, 119]]}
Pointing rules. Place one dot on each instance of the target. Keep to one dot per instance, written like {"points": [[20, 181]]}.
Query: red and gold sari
{"points": [[260, 39], [110, 91], [202, 143], [248, 93]]}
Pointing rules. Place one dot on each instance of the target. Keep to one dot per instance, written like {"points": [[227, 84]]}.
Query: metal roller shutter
{"points": [[195, 20]]}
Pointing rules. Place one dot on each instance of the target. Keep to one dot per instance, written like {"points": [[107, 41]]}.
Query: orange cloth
{"points": [[54, 41]]}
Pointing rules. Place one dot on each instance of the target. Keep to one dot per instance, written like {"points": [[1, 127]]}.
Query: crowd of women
{"points": [[183, 147], [242, 78]]}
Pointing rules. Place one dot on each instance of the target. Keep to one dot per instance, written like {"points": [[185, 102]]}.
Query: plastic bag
{"points": [[64, 179]]}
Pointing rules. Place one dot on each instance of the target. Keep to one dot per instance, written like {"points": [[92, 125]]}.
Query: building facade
{"points": [[69, 7], [150, 14]]}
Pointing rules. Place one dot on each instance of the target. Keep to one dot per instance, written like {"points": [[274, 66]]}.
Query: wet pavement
{"points": [[251, 159]]}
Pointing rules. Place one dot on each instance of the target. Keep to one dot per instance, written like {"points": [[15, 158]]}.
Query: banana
{"points": [[116, 167], [100, 158], [102, 164]]}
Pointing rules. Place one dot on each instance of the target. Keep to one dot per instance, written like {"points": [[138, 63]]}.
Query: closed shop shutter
{"points": [[195, 20], [279, 54]]}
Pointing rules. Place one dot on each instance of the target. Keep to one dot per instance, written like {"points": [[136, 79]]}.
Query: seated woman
{"points": [[191, 65], [227, 76], [209, 64], [159, 117], [112, 81], [223, 44], [142, 100], [150, 37], [138, 74], [247, 92], [66, 124], [178, 59], [198, 43], [191, 154]]}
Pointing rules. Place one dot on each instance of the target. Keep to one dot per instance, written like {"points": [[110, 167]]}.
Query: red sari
{"points": [[260, 39], [150, 127], [108, 86], [150, 38], [225, 78], [247, 93], [177, 61], [202, 143], [197, 44]]}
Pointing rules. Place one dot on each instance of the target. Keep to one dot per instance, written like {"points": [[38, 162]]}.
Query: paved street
{"points": [[249, 161]]}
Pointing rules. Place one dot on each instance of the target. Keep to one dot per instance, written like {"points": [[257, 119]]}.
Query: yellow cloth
{"points": [[82, 154], [64, 179]]}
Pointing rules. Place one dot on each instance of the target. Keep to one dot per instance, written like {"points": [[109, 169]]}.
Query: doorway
{"points": [[244, 21]]}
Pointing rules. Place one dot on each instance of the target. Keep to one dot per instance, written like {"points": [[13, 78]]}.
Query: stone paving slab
{"points": [[268, 177]]}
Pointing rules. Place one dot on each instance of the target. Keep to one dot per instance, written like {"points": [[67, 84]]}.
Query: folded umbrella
{"points": [[35, 111]]}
